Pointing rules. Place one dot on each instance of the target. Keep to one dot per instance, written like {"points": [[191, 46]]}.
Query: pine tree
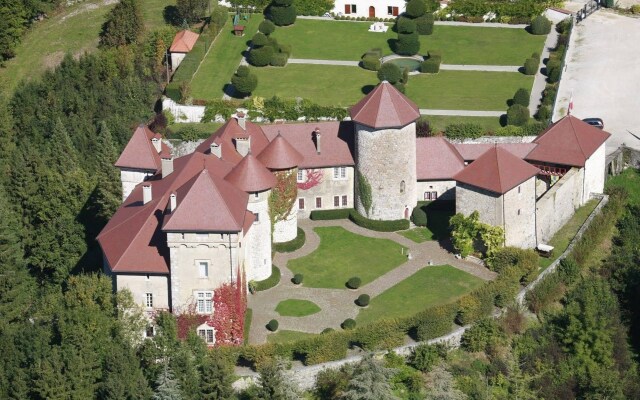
{"points": [[370, 381], [123, 26], [441, 385], [61, 153], [108, 192], [274, 384], [168, 387], [216, 378], [121, 375]]}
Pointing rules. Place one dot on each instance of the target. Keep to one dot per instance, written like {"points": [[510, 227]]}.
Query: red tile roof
{"points": [[471, 151], [437, 159], [225, 136], [140, 153], [279, 154], [569, 141], [385, 107], [336, 142], [251, 176], [497, 170], [183, 42], [207, 203]]}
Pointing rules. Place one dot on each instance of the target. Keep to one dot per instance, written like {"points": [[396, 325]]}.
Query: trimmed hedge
{"points": [[424, 24], [531, 66], [354, 282], [279, 59], [521, 97], [431, 65], [380, 226], [435, 321], [540, 25], [326, 215], [363, 300], [330, 346], [348, 324], [466, 130], [270, 282], [371, 63], [292, 245], [554, 70], [517, 115], [273, 325], [382, 335], [297, 279]]}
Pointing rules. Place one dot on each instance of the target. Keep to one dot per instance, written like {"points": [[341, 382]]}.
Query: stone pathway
{"points": [[451, 23], [338, 304], [446, 67], [463, 113], [540, 81], [324, 62]]}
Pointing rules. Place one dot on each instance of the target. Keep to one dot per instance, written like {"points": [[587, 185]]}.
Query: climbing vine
{"points": [[283, 195], [313, 178], [467, 231], [364, 192]]}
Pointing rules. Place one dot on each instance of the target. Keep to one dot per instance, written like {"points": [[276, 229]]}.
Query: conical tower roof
{"points": [[279, 154], [385, 107], [251, 176]]}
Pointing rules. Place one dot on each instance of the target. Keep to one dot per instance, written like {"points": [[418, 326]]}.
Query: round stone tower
{"points": [[283, 160], [254, 178], [385, 147]]}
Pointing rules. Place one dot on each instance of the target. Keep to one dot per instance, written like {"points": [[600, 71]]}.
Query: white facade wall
{"points": [[327, 189], [387, 158], [446, 190], [287, 229], [594, 173], [558, 204], [130, 178], [219, 250], [141, 284], [183, 113], [257, 243], [362, 7], [176, 59], [520, 215]]}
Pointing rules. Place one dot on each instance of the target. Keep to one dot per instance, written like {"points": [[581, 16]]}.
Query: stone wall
{"points": [[287, 229], [130, 178], [257, 243], [520, 215], [495, 139], [558, 204], [141, 284], [182, 113], [387, 158], [594, 172], [488, 204], [446, 190], [327, 189]]}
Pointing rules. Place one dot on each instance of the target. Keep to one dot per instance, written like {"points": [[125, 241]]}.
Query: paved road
{"points": [[603, 74]]}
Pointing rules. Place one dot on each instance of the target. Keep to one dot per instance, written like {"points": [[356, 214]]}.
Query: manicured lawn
{"points": [[285, 336], [439, 122], [418, 234], [338, 40], [428, 287], [629, 179], [222, 61], [296, 308], [342, 255]]}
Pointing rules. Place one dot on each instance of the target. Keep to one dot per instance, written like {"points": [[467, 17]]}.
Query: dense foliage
{"points": [[123, 26], [243, 81], [282, 12], [192, 10]]}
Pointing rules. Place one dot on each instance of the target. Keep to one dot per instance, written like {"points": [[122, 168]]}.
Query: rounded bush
{"points": [[415, 8], [400, 86], [243, 71], [273, 325], [521, 97], [354, 282], [408, 44], [430, 66], [282, 16], [363, 300], [540, 25], [260, 57], [389, 72], [244, 85], [544, 113], [531, 66], [267, 27], [419, 215], [348, 324], [371, 63], [554, 68], [405, 25], [297, 279], [424, 24], [259, 40], [279, 59], [517, 115], [327, 330]]}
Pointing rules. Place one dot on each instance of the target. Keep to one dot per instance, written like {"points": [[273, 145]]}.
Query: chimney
{"points": [[146, 193], [243, 144], [242, 120], [173, 200], [157, 143], [167, 165], [316, 134], [216, 150]]}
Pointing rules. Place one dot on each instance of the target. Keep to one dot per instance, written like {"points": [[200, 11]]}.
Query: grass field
{"points": [[629, 179], [428, 287], [418, 234], [296, 308], [286, 336], [342, 255], [459, 45]]}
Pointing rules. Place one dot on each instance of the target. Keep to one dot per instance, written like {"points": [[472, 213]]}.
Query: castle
{"points": [[190, 224]]}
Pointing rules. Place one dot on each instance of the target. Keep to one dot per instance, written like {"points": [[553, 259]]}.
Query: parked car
{"points": [[597, 122]]}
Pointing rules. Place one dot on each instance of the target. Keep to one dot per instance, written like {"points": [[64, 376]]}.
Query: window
{"points": [[392, 11], [518, 189], [207, 333], [350, 9], [518, 211], [427, 195], [301, 204], [339, 173], [148, 302], [204, 302], [402, 187], [203, 268], [336, 201], [344, 201], [434, 195], [256, 195], [318, 202], [150, 331], [301, 176]]}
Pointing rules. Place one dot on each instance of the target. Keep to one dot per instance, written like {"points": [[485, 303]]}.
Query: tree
{"points": [[12, 25], [415, 8], [521, 97], [267, 27], [123, 26], [168, 387], [274, 382], [244, 81], [441, 385], [108, 192], [390, 72], [370, 381], [192, 10], [216, 379], [517, 115], [282, 12]]}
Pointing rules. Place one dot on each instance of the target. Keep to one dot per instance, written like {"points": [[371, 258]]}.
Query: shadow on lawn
{"points": [[367, 88]]}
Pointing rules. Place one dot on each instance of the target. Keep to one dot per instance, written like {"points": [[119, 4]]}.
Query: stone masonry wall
{"points": [[327, 189], [257, 243], [446, 190], [139, 285], [488, 204], [130, 179], [558, 204], [520, 215]]}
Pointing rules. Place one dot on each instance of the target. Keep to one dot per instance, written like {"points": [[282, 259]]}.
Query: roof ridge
{"points": [[573, 130], [498, 166], [102, 233], [151, 147]]}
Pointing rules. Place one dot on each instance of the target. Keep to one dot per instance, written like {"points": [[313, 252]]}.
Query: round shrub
{"points": [[536, 55], [415, 8], [408, 44], [273, 325], [430, 65], [419, 215], [521, 97], [243, 71], [389, 72], [260, 57], [424, 24], [348, 324], [540, 25], [371, 63], [267, 27], [531, 66], [354, 282], [363, 300], [243, 81], [297, 279], [282, 16], [554, 68], [405, 25], [327, 330], [285, 48], [259, 40], [517, 115], [279, 59]]}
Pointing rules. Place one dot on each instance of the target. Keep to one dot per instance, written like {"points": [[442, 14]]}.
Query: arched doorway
{"points": [[372, 12], [406, 213]]}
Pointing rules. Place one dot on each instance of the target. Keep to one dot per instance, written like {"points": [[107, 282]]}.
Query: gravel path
{"points": [[463, 113], [338, 304], [540, 80]]}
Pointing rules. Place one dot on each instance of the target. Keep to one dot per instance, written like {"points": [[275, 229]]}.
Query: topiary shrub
{"points": [[434, 322], [430, 65], [415, 8], [434, 53], [243, 81], [363, 300], [285, 49], [400, 86], [554, 70], [297, 279], [273, 325], [268, 283], [531, 66], [348, 324], [517, 115], [282, 12], [389, 72], [540, 25], [260, 57], [354, 282], [544, 113], [371, 63], [259, 40], [376, 225], [521, 97], [408, 44], [424, 24], [267, 27], [405, 25], [419, 215], [279, 59]]}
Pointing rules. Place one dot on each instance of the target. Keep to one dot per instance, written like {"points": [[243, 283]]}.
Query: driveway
{"points": [[603, 72]]}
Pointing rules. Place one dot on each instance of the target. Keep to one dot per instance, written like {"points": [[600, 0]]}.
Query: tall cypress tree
{"points": [[123, 26], [216, 378], [108, 192]]}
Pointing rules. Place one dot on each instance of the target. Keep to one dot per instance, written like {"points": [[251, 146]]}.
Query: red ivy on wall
{"points": [[314, 178]]}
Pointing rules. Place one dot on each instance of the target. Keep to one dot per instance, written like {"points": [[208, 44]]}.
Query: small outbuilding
{"points": [[183, 43]]}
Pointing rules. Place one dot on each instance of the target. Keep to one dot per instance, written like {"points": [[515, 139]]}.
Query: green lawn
{"points": [[418, 234], [439, 122], [428, 287], [338, 40], [286, 336], [296, 308], [629, 179], [342, 255], [222, 61]]}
